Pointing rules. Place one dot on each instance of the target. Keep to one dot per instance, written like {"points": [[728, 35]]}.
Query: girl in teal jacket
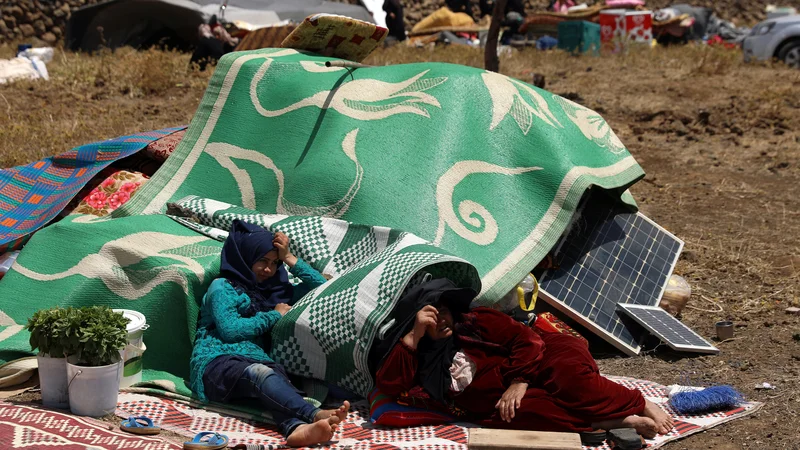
{"points": [[229, 362]]}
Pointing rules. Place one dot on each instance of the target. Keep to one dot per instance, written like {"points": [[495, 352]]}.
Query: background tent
{"points": [[143, 23]]}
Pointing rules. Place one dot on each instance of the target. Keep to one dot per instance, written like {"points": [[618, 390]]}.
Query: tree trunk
{"points": [[490, 60]]}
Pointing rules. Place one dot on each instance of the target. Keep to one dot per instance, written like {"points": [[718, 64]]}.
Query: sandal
{"points": [[139, 425], [215, 441], [594, 438]]}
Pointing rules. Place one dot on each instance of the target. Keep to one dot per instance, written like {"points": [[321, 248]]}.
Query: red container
{"points": [[619, 27]]}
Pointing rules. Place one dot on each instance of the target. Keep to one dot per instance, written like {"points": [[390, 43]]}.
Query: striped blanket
{"points": [[33, 194]]}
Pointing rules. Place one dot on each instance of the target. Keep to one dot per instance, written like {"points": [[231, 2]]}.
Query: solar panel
{"points": [[610, 256], [669, 329]]}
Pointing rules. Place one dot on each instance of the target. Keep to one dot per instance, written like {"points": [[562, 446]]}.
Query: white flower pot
{"points": [[53, 381], [93, 391]]}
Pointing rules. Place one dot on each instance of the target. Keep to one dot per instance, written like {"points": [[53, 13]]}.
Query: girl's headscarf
{"points": [[246, 244]]}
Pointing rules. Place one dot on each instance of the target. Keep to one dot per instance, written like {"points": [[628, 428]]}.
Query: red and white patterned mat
{"points": [[34, 428], [359, 434]]}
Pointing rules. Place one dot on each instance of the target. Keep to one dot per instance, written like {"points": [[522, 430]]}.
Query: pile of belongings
{"points": [[29, 64], [683, 23], [541, 24], [446, 26]]}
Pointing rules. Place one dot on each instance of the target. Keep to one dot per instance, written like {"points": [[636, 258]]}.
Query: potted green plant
{"points": [[94, 369], [52, 335]]}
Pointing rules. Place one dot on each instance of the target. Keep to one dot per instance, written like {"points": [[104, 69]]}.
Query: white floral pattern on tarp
{"points": [[110, 262], [507, 99], [592, 125], [362, 99]]}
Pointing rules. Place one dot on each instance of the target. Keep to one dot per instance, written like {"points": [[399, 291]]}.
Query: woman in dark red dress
{"points": [[506, 375]]}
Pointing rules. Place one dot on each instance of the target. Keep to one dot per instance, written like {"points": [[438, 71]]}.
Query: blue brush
{"points": [[689, 400]]}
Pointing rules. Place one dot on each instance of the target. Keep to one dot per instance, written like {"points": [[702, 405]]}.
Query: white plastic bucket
{"points": [[93, 391], [53, 381], [133, 352]]}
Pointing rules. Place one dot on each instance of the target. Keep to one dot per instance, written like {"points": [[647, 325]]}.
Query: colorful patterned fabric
{"points": [[100, 198], [486, 167], [548, 322], [407, 411], [35, 428], [161, 149], [336, 36], [358, 433], [32, 195]]}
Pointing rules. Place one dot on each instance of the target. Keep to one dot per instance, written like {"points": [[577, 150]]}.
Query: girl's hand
{"points": [[511, 400], [281, 242], [283, 308]]}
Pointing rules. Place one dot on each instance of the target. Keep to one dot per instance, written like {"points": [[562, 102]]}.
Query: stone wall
{"points": [[22, 20]]}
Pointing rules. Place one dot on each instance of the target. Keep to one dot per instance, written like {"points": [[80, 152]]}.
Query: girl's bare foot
{"points": [[340, 412], [313, 433], [663, 420]]}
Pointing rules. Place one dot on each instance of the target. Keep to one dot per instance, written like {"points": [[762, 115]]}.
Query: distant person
{"points": [[487, 7], [458, 6], [394, 20], [214, 41]]}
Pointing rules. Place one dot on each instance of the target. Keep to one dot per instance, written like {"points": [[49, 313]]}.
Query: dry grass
{"points": [[89, 98]]}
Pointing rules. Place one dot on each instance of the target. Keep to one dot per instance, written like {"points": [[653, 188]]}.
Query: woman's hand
{"points": [[427, 318], [283, 308], [281, 242], [511, 400]]}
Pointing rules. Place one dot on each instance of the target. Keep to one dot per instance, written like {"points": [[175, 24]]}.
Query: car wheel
{"points": [[790, 54]]}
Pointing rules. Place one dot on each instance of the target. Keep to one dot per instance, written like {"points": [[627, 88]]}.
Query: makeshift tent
{"points": [[143, 23], [487, 168]]}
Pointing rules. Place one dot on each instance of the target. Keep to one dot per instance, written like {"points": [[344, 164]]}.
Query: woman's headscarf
{"points": [[435, 356], [246, 244]]}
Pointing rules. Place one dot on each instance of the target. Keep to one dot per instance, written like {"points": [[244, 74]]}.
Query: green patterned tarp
{"points": [[487, 167]]}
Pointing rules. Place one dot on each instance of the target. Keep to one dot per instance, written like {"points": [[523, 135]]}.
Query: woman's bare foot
{"points": [[663, 420], [313, 433], [340, 412], [644, 426]]}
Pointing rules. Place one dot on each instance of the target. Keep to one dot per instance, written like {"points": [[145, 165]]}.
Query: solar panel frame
{"points": [[629, 345], [655, 313]]}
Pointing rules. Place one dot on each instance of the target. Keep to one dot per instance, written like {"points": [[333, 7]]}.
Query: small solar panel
{"points": [[669, 329], [610, 256]]}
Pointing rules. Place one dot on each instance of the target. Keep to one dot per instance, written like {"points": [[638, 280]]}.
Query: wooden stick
{"points": [[490, 60]]}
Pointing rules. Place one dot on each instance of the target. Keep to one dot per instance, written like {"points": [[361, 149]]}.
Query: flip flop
{"points": [[215, 441], [139, 425], [593, 438]]}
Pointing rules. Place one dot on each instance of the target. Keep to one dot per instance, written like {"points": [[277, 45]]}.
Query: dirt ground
{"points": [[719, 140]]}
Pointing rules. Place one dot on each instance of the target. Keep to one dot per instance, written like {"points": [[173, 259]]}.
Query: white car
{"points": [[775, 38]]}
